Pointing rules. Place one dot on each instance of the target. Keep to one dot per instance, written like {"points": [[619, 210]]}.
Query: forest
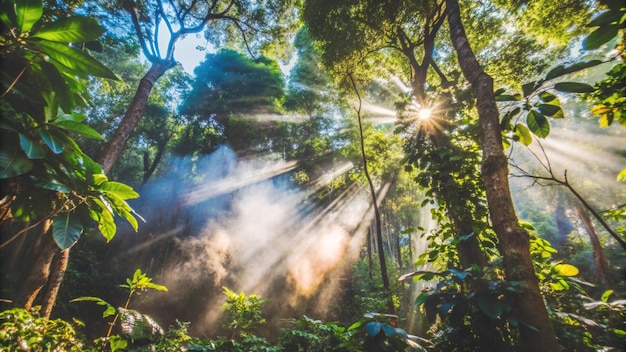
{"points": [[313, 175]]}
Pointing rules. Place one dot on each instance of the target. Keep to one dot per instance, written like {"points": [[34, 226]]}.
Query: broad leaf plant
{"points": [[45, 173]]}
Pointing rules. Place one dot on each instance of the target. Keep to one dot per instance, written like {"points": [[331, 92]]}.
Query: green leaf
{"points": [[13, 163], [505, 124], [76, 60], [52, 141], [109, 311], [538, 124], [605, 295], [600, 36], [622, 175], [75, 29], [525, 137], [566, 270], [529, 88], [28, 12], [507, 97], [118, 190], [32, 149], [66, 229], [562, 70], [104, 218], [117, 343], [547, 97], [573, 87], [604, 18], [80, 128], [550, 110]]}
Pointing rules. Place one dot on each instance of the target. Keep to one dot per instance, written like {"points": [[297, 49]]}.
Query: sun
{"points": [[425, 114]]}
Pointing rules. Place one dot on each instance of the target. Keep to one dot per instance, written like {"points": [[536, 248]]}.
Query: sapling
{"points": [[139, 282]]}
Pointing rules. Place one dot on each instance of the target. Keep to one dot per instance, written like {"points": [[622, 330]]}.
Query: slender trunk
{"points": [[136, 109], [369, 251], [149, 168], [57, 271], [599, 259], [536, 331], [40, 271], [379, 232]]}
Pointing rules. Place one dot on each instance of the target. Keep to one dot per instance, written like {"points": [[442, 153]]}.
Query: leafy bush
{"points": [[21, 330]]}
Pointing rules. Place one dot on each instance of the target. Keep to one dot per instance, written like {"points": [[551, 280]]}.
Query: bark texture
{"points": [[536, 332], [57, 271], [40, 271], [134, 113]]}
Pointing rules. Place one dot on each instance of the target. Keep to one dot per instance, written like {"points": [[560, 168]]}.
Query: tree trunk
{"points": [[57, 271], [40, 271], [536, 331], [599, 259], [136, 109]]}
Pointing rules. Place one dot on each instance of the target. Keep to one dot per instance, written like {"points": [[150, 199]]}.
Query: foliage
{"points": [[49, 176], [134, 325], [21, 330], [309, 335], [380, 334], [243, 313]]}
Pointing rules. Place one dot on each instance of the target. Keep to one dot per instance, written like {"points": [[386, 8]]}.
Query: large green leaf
{"points": [[66, 229], [118, 190], [75, 29], [80, 128], [13, 163], [563, 70], [551, 110], [28, 12], [573, 87], [104, 217], [600, 36], [538, 123], [76, 60], [32, 149]]}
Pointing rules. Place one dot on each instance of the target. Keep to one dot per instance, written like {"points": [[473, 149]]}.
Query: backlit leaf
{"points": [[622, 175], [109, 311], [28, 12], [566, 269], [80, 128], [118, 190], [550, 110], [525, 137], [75, 29], [538, 123], [605, 295], [76, 60], [66, 230]]}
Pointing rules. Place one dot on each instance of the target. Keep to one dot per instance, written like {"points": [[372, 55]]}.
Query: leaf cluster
{"points": [[49, 176]]}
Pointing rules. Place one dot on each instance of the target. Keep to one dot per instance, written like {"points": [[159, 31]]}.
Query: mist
{"points": [[242, 224]]}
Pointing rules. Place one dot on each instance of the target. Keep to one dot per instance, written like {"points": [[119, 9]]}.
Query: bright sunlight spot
{"points": [[425, 114]]}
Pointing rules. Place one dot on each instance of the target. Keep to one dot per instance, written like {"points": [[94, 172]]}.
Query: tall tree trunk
{"points": [[134, 113], [599, 259], [40, 271], [379, 231], [536, 332], [57, 271]]}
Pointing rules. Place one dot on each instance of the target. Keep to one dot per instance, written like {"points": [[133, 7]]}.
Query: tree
{"points": [[50, 181], [514, 242], [181, 18], [237, 93]]}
